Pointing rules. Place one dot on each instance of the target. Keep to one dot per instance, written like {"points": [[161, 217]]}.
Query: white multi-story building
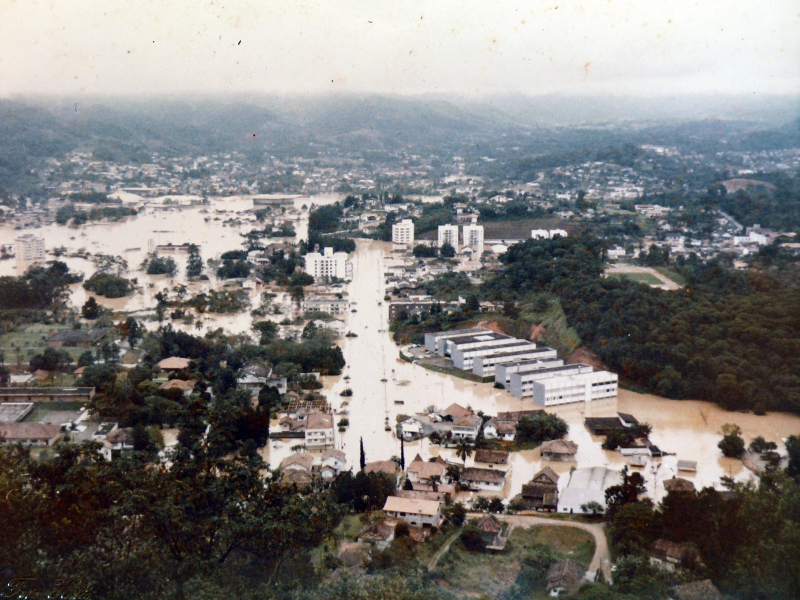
{"points": [[403, 232], [486, 366], [473, 237], [567, 384], [329, 303], [29, 247], [448, 234], [319, 430], [329, 264]]}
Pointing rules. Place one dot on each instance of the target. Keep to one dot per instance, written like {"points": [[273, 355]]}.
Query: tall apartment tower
{"points": [[449, 234], [29, 248], [473, 237], [329, 264], [403, 232]]}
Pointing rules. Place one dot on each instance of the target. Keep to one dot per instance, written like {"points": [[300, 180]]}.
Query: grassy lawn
{"points": [[645, 278], [346, 530], [454, 372], [477, 573], [30, 336], [32, 339], [670, 274]]}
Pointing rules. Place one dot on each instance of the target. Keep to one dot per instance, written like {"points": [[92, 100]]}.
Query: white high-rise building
{"points": [[329, 264], [29, 247], [449, 234], [473, 237], [403, 232]]}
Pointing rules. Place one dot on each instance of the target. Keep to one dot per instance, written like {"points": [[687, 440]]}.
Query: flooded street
{"points": [[690, 429], [383, 385]]}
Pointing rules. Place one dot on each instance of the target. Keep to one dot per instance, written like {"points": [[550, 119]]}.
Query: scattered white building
{"points": [[410, 429], [328, 265], [473, 237], [448, 234], [652, 210], [403, 232], [319, 430], [616, 252], [29, 248], [329, 303], [467, 428], [544, 234], [333, 462]]}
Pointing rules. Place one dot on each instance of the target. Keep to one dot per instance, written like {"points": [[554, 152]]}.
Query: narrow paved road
{"points": [[601, 559]]}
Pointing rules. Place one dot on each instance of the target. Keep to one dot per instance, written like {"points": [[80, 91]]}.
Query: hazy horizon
{"points": [[617, 48]]}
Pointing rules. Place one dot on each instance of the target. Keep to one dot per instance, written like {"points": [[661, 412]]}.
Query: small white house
{"points": [[411, 429], [117, 443], [497, 429], [467, 428], [333, 462], [489, 480]]}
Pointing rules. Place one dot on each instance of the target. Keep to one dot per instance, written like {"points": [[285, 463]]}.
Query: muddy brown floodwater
{"points": [[385, 386]]}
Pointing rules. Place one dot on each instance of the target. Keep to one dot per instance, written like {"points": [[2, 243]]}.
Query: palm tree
{"points": [[454, 473], [435, 481], [464, 450]]}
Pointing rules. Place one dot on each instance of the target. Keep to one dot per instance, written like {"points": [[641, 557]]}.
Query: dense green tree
{"points": [[91, 309], [50, 360], [631, 488], [541, 427], [447, 250], [425, 251], [108, 285], [472, 538], [793, 452], [731, 444], [194, 264], [267, 331]]}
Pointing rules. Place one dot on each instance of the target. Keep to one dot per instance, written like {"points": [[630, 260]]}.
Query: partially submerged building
{"points": [[585, 486]]}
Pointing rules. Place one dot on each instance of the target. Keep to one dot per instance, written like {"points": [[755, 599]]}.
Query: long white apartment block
{"points": [[504, 371], [521, 384], [403, 232], [473, 237], [568, 389], [486, 366], [464, 358], [449, 234], [433, 341], [484, 339]]}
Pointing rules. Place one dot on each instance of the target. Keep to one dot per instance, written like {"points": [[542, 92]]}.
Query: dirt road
{"points": [[600, 561]]}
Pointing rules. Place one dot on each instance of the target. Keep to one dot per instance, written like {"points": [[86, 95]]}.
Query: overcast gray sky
{"points": [[400, 46]]}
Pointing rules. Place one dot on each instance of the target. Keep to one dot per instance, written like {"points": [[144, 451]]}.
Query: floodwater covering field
{"points": [[385, 386]]}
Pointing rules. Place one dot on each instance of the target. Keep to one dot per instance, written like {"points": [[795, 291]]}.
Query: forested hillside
{"points": [[731, 337]]}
